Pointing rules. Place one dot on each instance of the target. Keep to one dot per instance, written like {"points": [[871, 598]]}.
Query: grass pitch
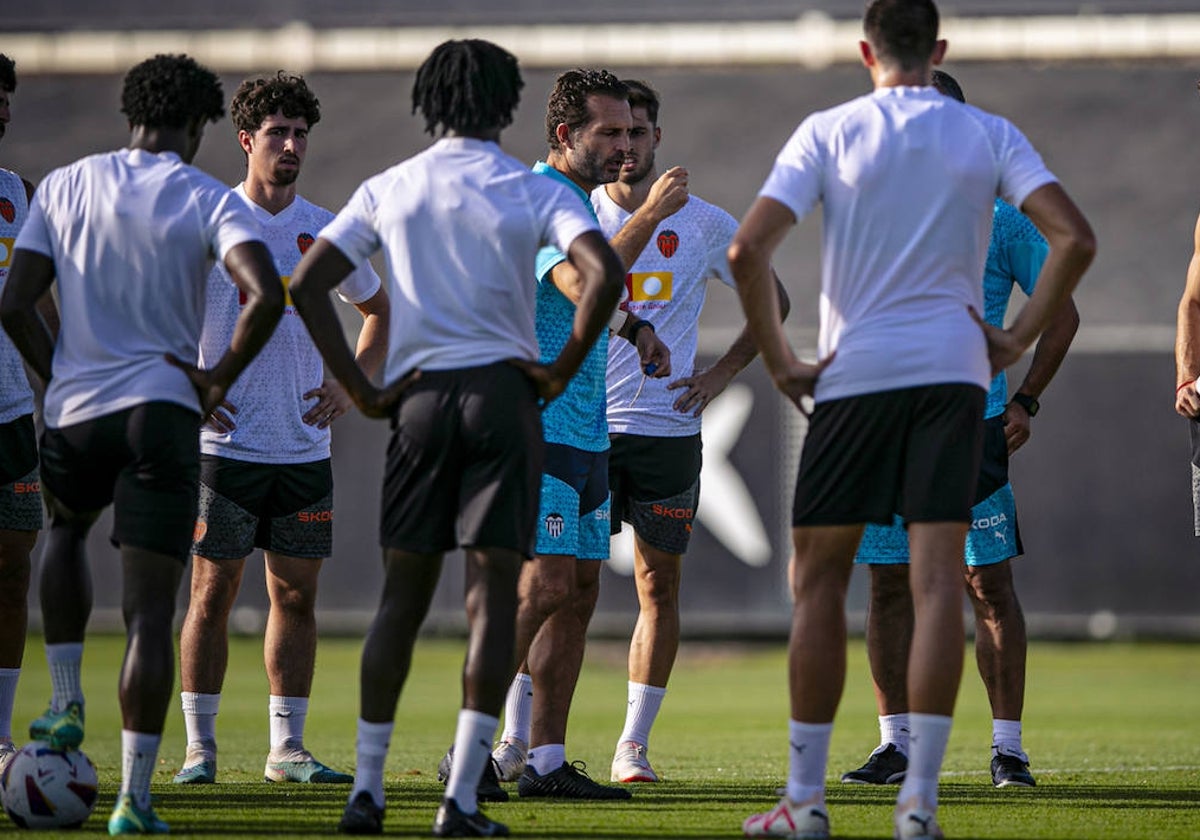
{"points": [[1113, 731]]}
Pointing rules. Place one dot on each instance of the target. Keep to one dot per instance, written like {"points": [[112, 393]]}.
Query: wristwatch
{"points": [[1030, 404]]}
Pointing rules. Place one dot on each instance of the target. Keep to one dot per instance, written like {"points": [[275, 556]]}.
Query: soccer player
{"points": [[20, 497], [907, 179], [1014, 258], [460, 224], [265, 476], [654, 426], [130, 236]]}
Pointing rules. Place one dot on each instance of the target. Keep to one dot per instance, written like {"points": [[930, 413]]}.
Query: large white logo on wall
{"points": [[726, 508]]}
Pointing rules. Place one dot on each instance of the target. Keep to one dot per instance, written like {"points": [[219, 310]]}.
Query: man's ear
{"points": [[245, 140], [657, 136], [864, 51], [562, 133], [939, 52]]}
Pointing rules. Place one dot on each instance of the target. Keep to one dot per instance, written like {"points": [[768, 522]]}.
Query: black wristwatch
{"points": [[1030, 404]]}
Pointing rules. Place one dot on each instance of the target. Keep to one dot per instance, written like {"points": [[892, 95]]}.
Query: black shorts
{"points": [[911, 451], [464, 464], [282, 508], [655, 487], [20, 485], [145, 461]]}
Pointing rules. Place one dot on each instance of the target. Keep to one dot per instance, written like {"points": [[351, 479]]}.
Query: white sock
{"points": [[893, 729], [472, 750], [372, 748], [1006, 737], [287, 726], [65, 661], [139, 755], [927, 749], [200, 716], [547, 758], [808, 753], [518, 709], [8, 693], [644, 703]]}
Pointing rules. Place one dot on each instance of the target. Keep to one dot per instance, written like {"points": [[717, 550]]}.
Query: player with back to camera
{"points": [[265, 475], [1016, 252], [906, 179], [460, 224], [123, 407]]}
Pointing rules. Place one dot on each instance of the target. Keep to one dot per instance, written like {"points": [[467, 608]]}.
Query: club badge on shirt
{"points": [[668, 243]]}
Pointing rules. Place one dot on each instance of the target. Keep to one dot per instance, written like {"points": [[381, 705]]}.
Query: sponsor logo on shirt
{"points": [[668, 243], [646, 286], [7, 210], [304, 241], [6, 249], [554, 525]]}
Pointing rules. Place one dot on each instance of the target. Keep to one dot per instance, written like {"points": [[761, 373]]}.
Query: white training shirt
{"points": [[16, 397], [906, 178], [666, 286], [132, 235], [269, 394], [459, 225]]}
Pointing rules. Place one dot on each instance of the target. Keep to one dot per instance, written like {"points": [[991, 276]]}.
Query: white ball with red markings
{"points": [[48, 788]]}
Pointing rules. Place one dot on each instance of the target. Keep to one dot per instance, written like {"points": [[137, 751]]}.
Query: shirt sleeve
{"points": [[722, 227], [230, 222], [35, 233], [353, 230], [1025, 250], [564, 219], [360, 285], [1022, 169], [796, 178]]}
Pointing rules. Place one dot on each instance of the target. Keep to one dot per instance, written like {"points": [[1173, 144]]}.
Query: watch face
{"points": [[1030, 404]]}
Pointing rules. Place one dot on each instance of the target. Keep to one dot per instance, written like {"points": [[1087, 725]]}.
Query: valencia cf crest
{"points": [[668, 243], [304, 241], [554, 525], [7, 210]]}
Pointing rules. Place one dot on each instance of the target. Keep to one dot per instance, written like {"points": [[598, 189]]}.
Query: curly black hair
{"points": [[257, 99], [171, 91], [8, 74], [902, 31], [568, 101], [469, 87]]}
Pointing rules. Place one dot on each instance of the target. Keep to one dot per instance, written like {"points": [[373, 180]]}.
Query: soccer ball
{"points": [[48, 788]]}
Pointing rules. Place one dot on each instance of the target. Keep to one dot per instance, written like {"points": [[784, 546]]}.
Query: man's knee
{"points": [[658, 578], [991, 587], [546, 584]]}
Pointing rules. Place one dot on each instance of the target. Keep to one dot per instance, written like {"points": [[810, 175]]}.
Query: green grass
{"points": [[1113, 729]]}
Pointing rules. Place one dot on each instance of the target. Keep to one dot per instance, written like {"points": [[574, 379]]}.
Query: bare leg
{"points": [[889, 635], [65, 581], [556, 656], [821, 567], [148, 604], [204, 639], [491, 600], [1000, 643], [936, 658], [655, 640], [409, 583], [15, 547], [290, 643]]}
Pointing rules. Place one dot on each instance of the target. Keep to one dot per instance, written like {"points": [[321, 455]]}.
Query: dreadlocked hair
{"points": [[171, 91], [8, 74], [467, 87], [257, 99], [568, 101]]}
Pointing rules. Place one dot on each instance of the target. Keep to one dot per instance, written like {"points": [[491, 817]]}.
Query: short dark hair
{"points": [[903, 32], [641, 95], [469, 87], [171, 91], [257, 99], [947, 85], [8, 74], [568, 101]]}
